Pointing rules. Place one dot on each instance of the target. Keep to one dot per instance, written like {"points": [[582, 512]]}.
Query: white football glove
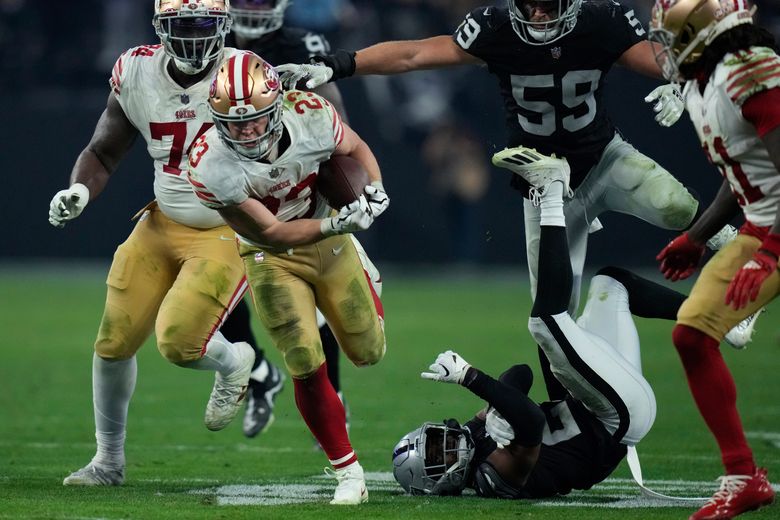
{"points": [[670, 104], [498, 428], [377, 198], [292, 73], [449, 367], [68, 204], [355, 216]]}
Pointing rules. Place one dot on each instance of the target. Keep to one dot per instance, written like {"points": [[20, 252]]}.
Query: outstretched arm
{"points": [[408, 55], [517, 458]]}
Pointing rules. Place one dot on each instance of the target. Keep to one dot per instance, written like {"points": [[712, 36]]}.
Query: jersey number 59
{"points": [[537, 97]]}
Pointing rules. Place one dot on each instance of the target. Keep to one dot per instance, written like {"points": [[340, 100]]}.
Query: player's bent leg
{"points": [[594, 373], [639, 186], [705, 308], [607, 314]]}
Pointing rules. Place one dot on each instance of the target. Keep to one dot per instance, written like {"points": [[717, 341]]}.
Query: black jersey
{"points": [[287, 45], [552, 93], [577, 452]]}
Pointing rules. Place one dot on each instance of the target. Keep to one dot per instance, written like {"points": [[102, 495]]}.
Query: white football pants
{"points": [[624, 180], [597, 360]]}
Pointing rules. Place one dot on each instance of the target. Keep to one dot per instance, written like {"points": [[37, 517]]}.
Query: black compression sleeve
{"points": [[646, 299], [524, 415]]}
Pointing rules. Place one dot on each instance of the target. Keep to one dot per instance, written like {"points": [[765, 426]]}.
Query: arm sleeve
{"points": [[762, 110], [525, 416]]}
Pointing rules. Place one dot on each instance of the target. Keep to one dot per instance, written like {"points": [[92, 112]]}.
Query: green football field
{"points": [[178, 469]]}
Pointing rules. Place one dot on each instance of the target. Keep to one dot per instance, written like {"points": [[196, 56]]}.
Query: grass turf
{"points": [[178, 469]]}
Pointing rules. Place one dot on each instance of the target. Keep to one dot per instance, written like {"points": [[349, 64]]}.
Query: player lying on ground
{"points": [[515, 448]]}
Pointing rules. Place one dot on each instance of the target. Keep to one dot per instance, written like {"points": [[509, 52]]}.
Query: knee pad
{"points": [[117, 338], [369, 355], [303, 361], [674, 202]]}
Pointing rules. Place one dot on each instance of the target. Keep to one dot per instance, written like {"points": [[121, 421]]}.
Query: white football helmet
{"points": [[192, 31], [685, 27], [256, 18], [245, 90], [434, 459], [558, 19]]}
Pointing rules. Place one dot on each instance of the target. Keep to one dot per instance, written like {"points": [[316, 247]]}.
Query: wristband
{"points": [[82, 191], [327, 228]]}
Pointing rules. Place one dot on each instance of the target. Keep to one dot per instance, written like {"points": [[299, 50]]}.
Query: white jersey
{"points": [[730, 141], [171, 119], [286, 186]]}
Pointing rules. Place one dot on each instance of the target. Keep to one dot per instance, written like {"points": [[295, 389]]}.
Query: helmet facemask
{"points": [[192, 35], [268, 121], [255, 18], [539, 22], [434, 459]]}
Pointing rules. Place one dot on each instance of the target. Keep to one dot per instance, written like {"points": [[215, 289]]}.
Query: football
{"points": [[341, 180]]}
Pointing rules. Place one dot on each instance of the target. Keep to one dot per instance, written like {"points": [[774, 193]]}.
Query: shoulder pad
{"points": [[126, 62], [749, 72]]}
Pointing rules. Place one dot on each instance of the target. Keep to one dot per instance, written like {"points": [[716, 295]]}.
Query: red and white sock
{"points": [[324, 414]]}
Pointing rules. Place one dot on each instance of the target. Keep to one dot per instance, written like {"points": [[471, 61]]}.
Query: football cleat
{"points": [[537, 169], [736, 495], [742, 333], [727, 234], [259, 414], [230, 390], [351, 489], [94, 475]]}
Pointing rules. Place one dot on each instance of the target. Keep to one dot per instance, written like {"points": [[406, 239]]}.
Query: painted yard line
{"points": [[618, 493], [772, 437], [152, 447]]}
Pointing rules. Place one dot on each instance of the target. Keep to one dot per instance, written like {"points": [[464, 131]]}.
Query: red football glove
{"points": [[747, 282], [680, 258]]}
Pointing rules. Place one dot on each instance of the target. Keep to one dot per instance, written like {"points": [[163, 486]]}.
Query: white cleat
{"points": [[94, 475], [229, 391], [727, 234], [742, 333], [351, 489], [537, 169]]}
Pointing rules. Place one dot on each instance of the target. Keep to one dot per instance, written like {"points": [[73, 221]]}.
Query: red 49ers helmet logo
{"points": [[271, 77]]}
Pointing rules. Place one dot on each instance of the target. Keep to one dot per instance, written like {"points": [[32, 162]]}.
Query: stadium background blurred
{"points": [[433, 133]]}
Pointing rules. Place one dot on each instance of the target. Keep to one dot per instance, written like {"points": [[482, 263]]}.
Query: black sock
{"points": [[237, 328], [645, 298], [331, 348], [554, 277]]}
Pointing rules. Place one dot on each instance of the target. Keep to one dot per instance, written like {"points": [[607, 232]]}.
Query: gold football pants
{"points": [[179, 281], [288, 286], [705, 309]]}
